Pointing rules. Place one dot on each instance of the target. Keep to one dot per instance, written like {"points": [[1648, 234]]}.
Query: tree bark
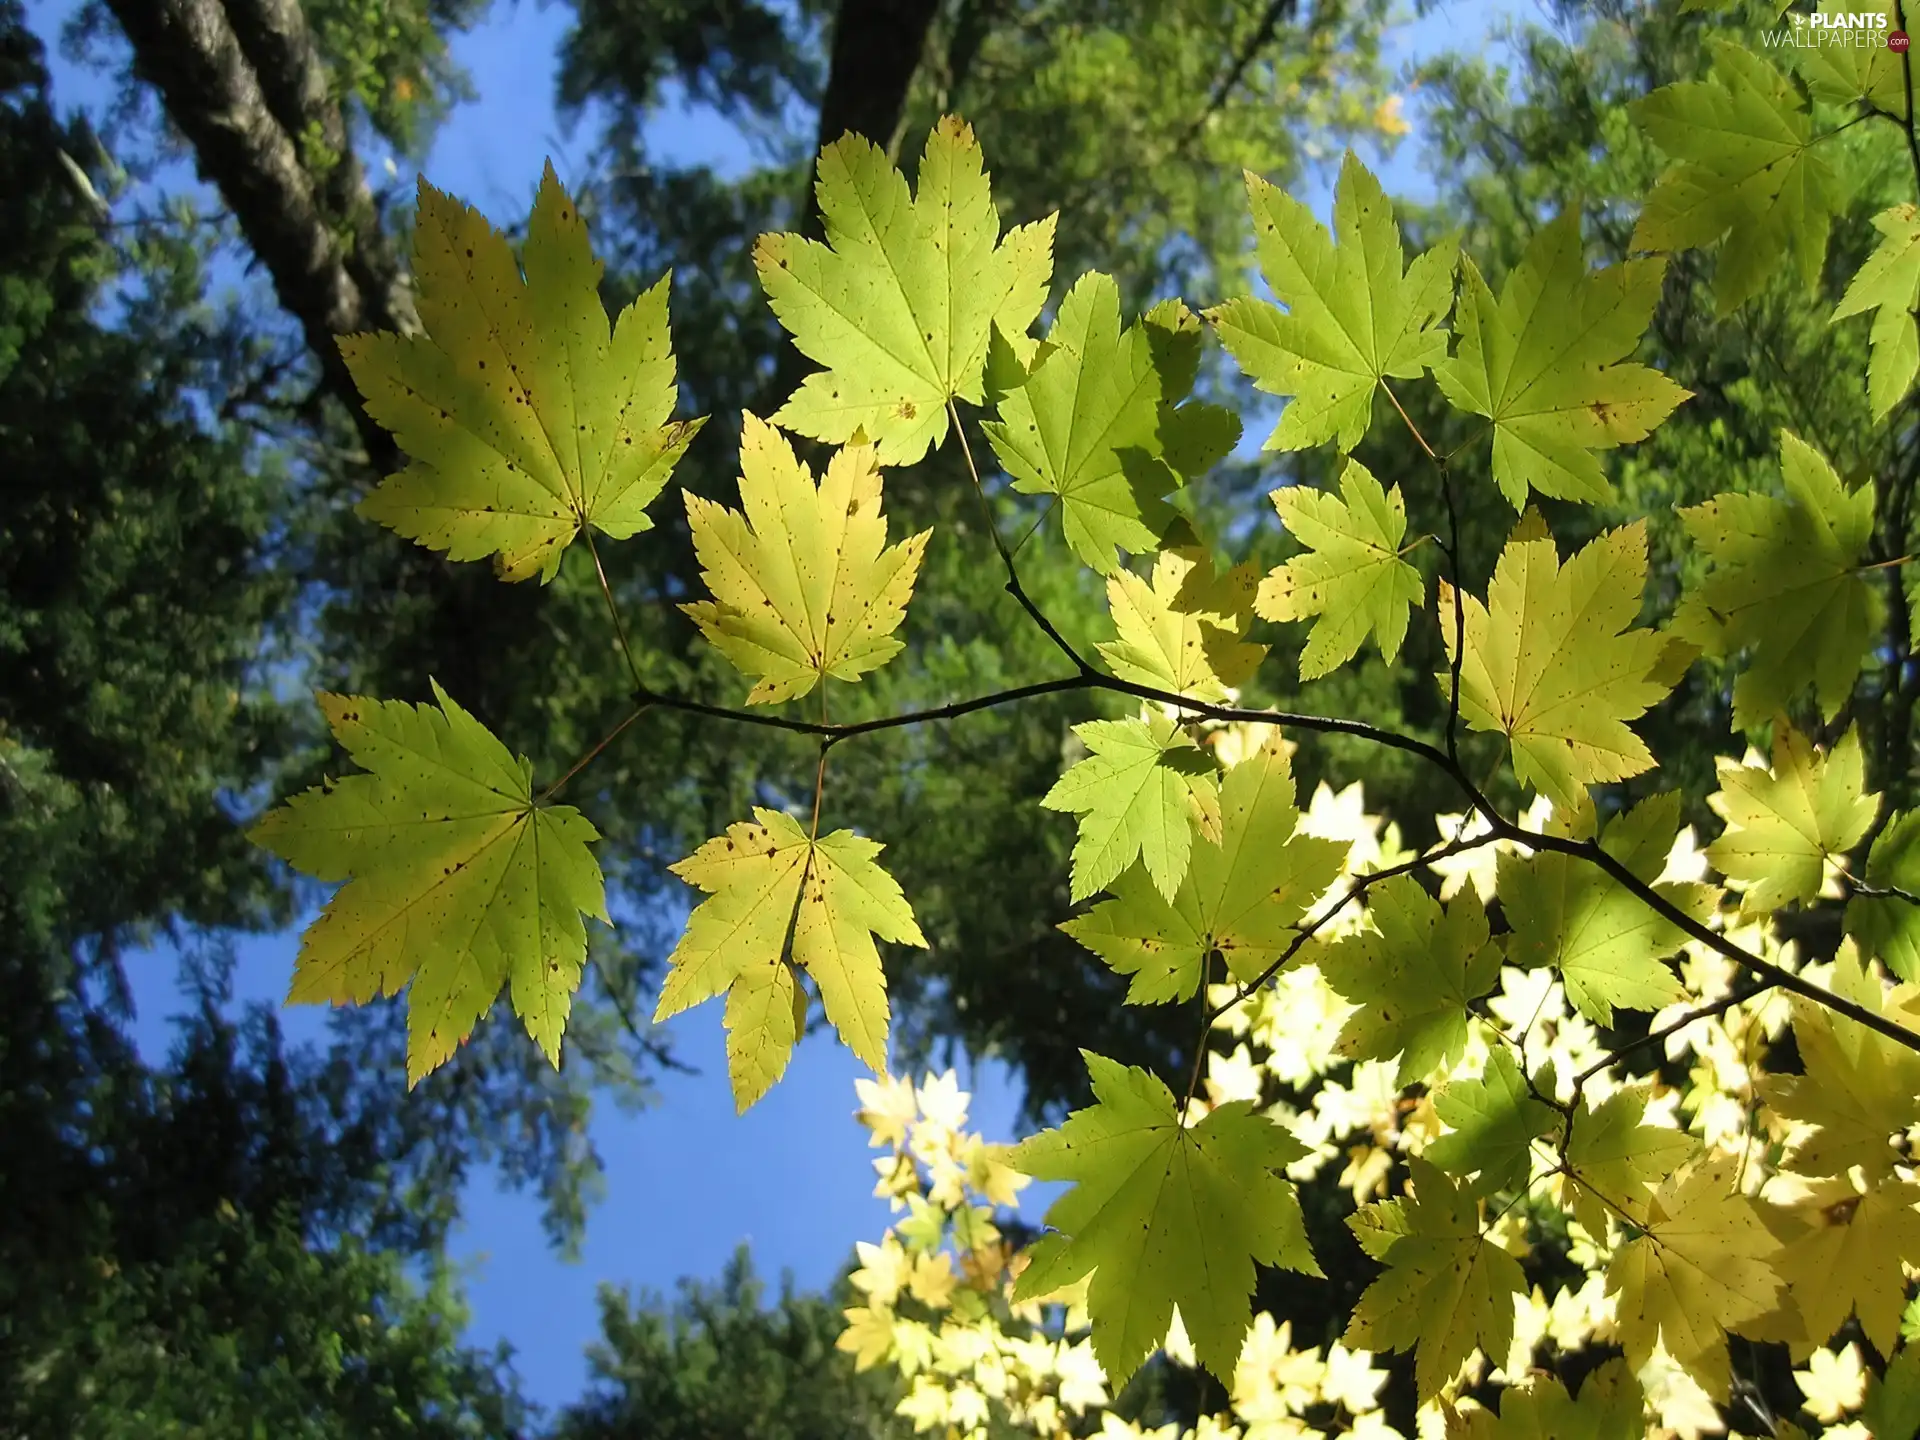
{"points": [[188, 50]]}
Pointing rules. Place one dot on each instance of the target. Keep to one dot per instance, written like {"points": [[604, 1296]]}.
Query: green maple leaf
{"points": [[1610, 1406], [1888, 929], [1747, 170], [1162, 1214], [1355, 314], [804, 582], [1352, 577], [1889, 282], [1605, 941], [902, 299], [524, 420], [1184, 632], [1446, 1288], [1783, 824], [1617, 1159], [1893, 1400], [1546, 364], [1786, 584], [1494, 1121], [1139, 794], [1550, 663], [778, 897], [1847, 74], [1093, 421], [1194, 435], [458, 880], [1240, 898], [1859, 1087], [1412, 974]]}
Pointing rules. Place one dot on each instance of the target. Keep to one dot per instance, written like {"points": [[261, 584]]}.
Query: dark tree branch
{"points": [[877, 46]]}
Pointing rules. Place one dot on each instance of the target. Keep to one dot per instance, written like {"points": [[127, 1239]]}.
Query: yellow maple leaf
{"points": [[525, 420], [804, 582], [1704, 1265], [767, 880], [1550, 663], [1184, 632], [1838, 1261]]}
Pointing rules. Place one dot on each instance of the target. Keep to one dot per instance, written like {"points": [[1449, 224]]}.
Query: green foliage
{"points": [[1239, 900], [1356, 313], [720, 1361], [1162, 1214], [459, 880], [901, 301], [1545, 364], [504, 367]]}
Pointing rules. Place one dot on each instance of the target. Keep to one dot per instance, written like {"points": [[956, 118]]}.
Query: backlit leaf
{"points": [[458, 880], [525, 420], [1240, 897], [1551, 664], [1356, 312], [900, 301], [804, 582], [1546, 364], [1162, 1214], [1351, 578]]}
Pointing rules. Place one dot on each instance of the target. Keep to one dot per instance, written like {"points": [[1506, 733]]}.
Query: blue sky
{"points": [[687, 1180]]}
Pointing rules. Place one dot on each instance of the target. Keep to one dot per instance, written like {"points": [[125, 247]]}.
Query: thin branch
{"points": [[1672, 1027]]}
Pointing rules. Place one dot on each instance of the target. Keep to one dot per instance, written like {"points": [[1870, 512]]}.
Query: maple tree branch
{"points": [[1700, 1012]]}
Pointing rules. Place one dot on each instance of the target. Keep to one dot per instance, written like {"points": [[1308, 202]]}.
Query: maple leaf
{"points": [[1140, 793], [1494, 1121], [1162, 1214], [1846, 74], [1888, 927], [1412, 975], [1889, 282], [1893, 1401], [1095, 425], [1704, 1265], [1352, 577], [775, 896], [1606, 942], [900, 301], [1785, 583], [1550, 663], [1784, 824], [1186, 631], [804, 582], [1240, 898], [1746, 171], [1617, 1159], [459, 881], [1446, 1288], [1546, 364], [523, 418], [1355, 314], [1609, 1406], [1859, 1087], [1835, 1260]]}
